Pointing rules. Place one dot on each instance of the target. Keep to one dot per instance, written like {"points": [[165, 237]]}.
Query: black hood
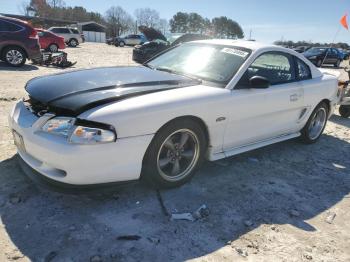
{"points": [[152, 34], [75, 92], [190, 37]]}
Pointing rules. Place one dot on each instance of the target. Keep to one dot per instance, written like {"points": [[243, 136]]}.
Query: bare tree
{"points": [[56, 3], [23, 8], [163, 25], [147, 17], [118, 21]]}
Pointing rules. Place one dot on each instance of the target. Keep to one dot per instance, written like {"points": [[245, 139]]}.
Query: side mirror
{"points": [[259, 82]]}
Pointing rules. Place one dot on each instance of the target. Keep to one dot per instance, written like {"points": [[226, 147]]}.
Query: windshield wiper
{"points": [[168, 70]]}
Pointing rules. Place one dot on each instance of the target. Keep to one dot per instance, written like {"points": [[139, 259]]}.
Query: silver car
{"points": [[72, 36], [131, 40]]}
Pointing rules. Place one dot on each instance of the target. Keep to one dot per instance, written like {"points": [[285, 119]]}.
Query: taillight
{"points": [[33, 34]]}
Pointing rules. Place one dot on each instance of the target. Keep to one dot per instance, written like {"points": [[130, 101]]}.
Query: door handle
{"points": [[294, 97]]}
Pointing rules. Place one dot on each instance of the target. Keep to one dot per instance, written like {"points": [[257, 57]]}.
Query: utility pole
{"points": [[250, 34]]}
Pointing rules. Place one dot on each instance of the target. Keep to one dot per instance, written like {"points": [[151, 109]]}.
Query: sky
{"points": [[268, 20]]}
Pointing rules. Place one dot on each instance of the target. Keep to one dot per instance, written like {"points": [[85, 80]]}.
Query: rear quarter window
{"points": [[303, 70], [60, 30], [9, 27], [75, 31]]}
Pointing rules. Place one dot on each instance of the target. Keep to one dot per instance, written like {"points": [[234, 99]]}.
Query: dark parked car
{"points": [[301, 49], [18, 41], [324, 55], [344, 54], [159, 43]]}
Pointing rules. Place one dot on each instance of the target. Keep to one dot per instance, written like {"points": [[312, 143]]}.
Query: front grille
{"points": [[35, 106]]}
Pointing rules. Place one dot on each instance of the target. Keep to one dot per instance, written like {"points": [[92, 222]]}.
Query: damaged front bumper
{"points": [[55, 158]]}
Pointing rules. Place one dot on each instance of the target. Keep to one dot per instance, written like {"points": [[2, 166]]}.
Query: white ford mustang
{"points": [[205, 99]]}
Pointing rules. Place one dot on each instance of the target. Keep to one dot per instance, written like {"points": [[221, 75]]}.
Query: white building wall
{"points": [[99, 37]]}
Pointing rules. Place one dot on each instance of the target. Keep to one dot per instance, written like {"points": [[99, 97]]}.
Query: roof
{"points": [[91, 22], [253, 45]]}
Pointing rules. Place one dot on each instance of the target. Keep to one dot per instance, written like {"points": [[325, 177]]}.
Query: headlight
{"points": [[91, 135], [59, 126], [79, 131], [313, 57]]}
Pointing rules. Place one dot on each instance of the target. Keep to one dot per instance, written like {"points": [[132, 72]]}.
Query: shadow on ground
{"points": [[25, 67], [262, 186], [340, 121]]}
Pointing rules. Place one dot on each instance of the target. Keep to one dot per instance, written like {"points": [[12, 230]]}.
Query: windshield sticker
{"points": [[233, 51]]}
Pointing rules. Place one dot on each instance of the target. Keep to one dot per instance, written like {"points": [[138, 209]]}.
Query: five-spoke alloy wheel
{"points": [[174, 153], [316, 124], [178, 155]]}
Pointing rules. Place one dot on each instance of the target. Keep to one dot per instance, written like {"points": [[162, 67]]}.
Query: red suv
{"points": [[18, 41], [50, 41]]}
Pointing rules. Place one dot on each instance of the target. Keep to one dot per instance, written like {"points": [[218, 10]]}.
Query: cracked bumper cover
{"points": [[55, 158]]}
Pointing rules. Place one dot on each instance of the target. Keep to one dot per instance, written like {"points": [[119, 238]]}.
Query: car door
{"points": [[332, 56], [261, 114], [128, 40]]}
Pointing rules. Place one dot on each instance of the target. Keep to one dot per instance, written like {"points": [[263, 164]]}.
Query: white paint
{"points": [[254, 118]]}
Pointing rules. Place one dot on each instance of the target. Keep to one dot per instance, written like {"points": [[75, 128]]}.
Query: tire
{"points": [[167, 163], [319, 63], [73, 42], [314, 127], [344, 111], [53, 48], [121, 44], [14, 56], [337, 64]]}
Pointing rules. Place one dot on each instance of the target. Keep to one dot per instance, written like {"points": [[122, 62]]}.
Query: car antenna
{"points": [[343, 23]]}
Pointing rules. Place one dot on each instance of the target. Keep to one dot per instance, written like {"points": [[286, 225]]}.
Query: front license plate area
{"points": [[18, 140]]}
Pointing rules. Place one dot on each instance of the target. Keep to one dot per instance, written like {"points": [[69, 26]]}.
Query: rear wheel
{"points": [[319, 63], [344, 111], [53, 48], [315, 125], [73, 43], [14, 56], [337, 64], [174, 154]]}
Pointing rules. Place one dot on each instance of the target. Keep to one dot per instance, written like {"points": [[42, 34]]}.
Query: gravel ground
{"points": [[285, 202]]}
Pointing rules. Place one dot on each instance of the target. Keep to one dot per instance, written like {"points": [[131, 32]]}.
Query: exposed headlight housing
{"points": [[91, 135], [59, 126], [78, 131]]}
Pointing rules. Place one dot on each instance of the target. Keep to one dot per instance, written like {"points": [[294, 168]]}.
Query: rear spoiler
{"points": [[332, 72]]}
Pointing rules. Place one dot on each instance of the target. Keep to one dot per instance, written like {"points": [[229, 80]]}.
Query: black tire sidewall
{"points": [[150, 172], [305, 137], [319, 63], [71, 41], [344, 111], [337, 64], [17, 49]]}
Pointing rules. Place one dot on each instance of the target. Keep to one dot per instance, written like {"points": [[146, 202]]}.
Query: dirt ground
{"points": [[285, 202]]}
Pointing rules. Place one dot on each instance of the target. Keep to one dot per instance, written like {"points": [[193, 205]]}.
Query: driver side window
{"points": [[274, 66]]}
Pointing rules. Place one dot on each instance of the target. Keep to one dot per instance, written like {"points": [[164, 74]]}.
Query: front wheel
{"points": [[315, 125], [174, 154], [121, 44]]}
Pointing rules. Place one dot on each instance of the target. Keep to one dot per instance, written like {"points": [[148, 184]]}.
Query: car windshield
{"points": [[211, 63], [315, 51]]}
